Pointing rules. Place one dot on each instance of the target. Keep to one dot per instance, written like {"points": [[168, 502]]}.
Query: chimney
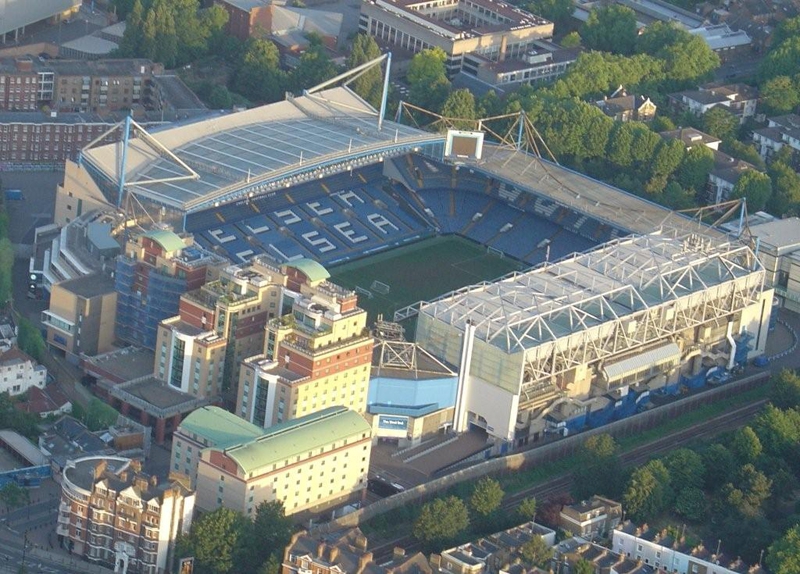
{"points": [[333, 554], [99, 469], [363, 561], [361, 542], [292, 542], [398, 553], [436, 561], [153, 481], [24, 65], [321, 550]]}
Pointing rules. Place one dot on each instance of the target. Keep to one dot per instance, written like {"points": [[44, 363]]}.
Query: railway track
{"points": [[729, 420]]}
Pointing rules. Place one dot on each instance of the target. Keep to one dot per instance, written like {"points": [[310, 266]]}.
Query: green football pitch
{"points": [[420, 271]]}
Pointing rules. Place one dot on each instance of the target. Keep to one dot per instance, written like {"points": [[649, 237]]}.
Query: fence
{"points": [[548, 453], [30, 476]]}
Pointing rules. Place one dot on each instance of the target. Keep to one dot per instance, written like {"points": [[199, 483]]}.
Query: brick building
{"points": [[113, 514]]}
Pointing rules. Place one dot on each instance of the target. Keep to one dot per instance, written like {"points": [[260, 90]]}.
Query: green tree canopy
{"points": [[370, 84], [599, 471], [746, 446], [215, 541], [720, 123], [750, 489], [268, 535], [755, 186], [14, 496], [781, 60], [427, 77], [557, 11], [785, 197], [779, 431], [29, 337], [648, 491], [259, 76], [785, 392], [460, 104], [783, 557], [314, 68], [696, 165], [686, 57], [527, 509], [789, 28], [486, 497], [536, 552], [781, 94], [611, 28], [583, 566], [691, 504], [719, 464], [441, 521], [571, 40], [685, 468]]}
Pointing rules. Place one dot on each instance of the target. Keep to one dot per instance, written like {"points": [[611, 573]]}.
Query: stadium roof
{"points": [[594, 198], [219, 427], [19, 13], [254, 151], [619, 278], [298, 436]]}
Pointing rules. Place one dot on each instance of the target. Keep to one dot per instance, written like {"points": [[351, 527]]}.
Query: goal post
{"points": [[495, 251], [366, 292], [380, 287]]}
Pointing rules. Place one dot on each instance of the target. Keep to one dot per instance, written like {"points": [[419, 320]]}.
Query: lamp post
{"points": [[24, 551]]}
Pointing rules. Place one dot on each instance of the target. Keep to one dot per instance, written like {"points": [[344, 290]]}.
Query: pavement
{"points": [[83, 23]]}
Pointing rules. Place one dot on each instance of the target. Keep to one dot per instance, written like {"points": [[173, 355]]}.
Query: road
{"points": [[639, 455]]}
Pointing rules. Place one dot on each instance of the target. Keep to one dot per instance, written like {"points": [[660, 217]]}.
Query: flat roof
{"points": [[89, 286], [23, 447], [125, 364], [782, 234], [91, 45], [251, 151], [158, 393], [617, 279], [18, 13], [221, 428], [298, 436]]}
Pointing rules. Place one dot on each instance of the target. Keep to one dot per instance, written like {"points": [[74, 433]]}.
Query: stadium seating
{"points": [[351, 214]]}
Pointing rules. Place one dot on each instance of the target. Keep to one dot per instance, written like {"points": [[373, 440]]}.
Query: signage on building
{"points": [[393, 423]]}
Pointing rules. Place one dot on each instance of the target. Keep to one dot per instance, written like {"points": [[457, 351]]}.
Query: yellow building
{"points": [[305, 463], [219, 324], [315, 357]]}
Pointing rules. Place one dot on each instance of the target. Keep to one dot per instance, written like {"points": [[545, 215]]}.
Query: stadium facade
{"points": [[636, 315], [654, 300]]}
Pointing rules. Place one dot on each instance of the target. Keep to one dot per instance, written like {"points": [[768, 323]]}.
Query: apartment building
{"points": [[491, 28], [80, 319], [780, 131], [345, 551], [590, 518], [304, 463], [97, 86], [662, 550], [19, 372], [317, 356], [53, 138], [156, 269], [113, 514], [739, 99], [217, 326]]}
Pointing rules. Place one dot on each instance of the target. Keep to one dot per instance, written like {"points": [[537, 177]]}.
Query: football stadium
{"points": [[561, 301]]}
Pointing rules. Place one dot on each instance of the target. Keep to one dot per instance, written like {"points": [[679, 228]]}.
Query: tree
{"points": [[6, 270], [745, 152], [745, 445], [696, 165], [314, 68], [599, 471], [583, 566], [460, 104], [486, 497], [29, 339], [685, 467], [667, 157], [648, 491], [785, 392], [781, 94], [571, 40], [779, 432], [751, 488], [620, 144], [611, 28], [427, 77], [685, 56], [441, 521], [14, 496], [258, 76], [527, 509], [719, 464], [220, 98], [789, 28], [781, 60], [785, 189], [215, 541], [783, 557], [536, 552], [268, 535], [662, 124], [720, 123], [755, 186], [558, 11], [133, 37], [369, 85], [691, 504]]}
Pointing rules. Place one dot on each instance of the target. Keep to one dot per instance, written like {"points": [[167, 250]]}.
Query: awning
{"points": [[641, 362]]}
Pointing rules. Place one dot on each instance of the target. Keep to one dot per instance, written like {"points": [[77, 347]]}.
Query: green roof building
{"points": [[305, 463]]}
